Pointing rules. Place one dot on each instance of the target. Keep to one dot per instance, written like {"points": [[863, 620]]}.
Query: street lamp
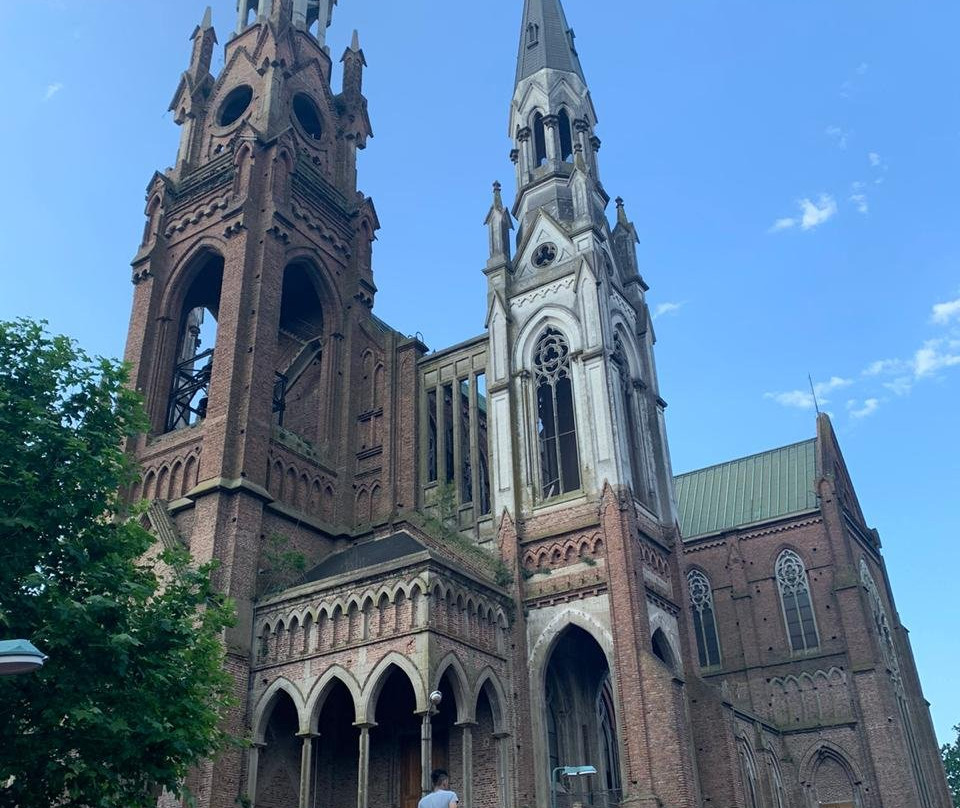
{"points": [[19, 656], [566, 771]]}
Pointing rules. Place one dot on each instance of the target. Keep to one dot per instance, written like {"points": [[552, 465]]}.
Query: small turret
{"points": [[353, 63], [204, 38], [500, 224]]}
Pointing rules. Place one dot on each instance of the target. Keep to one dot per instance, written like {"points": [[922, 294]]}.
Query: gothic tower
{"points": [[251, 336], [580, 472]]}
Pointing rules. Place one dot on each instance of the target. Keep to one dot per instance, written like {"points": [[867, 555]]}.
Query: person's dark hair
{"points": [[437, 776]]}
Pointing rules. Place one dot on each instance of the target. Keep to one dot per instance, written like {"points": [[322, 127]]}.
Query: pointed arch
{"points": [[796, 601], [704, 618], [267, 701], [460, 684], [378, 676], [321, 689], [489, 682]]}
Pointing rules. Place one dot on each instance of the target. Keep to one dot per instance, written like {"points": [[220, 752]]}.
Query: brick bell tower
{"points": [[580, 467], [250, 287]]}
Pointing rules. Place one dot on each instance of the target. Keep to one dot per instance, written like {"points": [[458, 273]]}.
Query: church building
{"points": [[478, 558]]}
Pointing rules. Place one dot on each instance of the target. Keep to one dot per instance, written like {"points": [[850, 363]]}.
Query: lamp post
{"points": [[566, 771], [19, 656]]}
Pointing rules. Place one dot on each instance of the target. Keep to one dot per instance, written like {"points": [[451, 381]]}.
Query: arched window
{"points": [[190, 389], [556, 427], [797, 606], [748, 770], [661, 648], [609, 754], [566, 135], [634, 436], [704, 619], [539, 141]]}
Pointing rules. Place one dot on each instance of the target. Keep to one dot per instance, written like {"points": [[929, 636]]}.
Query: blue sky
{"points": [[791, 169]]}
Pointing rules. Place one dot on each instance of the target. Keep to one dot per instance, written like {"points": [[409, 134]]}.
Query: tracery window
{"points": [[556, 427], [704, 619], [797, 606]]}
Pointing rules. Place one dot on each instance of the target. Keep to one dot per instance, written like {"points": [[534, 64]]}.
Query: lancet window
{"points": [[539, 140], [566, 135], [704, 619], [797, 605], [556, 424], [632, 426], [193, 366]]}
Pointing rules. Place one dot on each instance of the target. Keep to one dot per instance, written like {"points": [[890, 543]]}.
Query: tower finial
{"points": [[355, 41], [621, 212], [207, 21]]}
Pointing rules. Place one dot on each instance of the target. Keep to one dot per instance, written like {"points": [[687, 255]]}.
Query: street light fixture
{"points": [[566, 771], [19, 656]]}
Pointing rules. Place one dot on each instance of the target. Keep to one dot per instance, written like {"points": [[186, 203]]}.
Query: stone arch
{"points": [[561, 318], [324, 284], [377, 678], [460, 684], [490, 682], [663, 649], [823, 752], [321, 689], [266, 702]]}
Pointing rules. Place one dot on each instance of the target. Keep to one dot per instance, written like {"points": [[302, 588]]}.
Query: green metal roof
{"points": [[752, 489]]}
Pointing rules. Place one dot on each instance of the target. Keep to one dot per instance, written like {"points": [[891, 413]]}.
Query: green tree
{"points": [[133, 690], [951, 764]]}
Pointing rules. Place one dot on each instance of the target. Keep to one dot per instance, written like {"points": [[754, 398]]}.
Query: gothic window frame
{"points": [[793, 584], [553, 377], [636, 446], [748, 771], [702, 605]]}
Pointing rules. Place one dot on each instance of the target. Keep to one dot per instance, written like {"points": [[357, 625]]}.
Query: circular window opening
{"points": [[235, 105], [545, 254], [308, 115]]}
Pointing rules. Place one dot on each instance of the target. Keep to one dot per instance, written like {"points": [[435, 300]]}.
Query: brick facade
{"points": [[428, 568]]}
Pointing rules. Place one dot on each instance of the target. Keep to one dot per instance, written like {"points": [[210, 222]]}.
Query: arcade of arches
{"points": [[346, 761]]}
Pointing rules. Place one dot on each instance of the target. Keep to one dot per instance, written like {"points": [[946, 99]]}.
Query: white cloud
{"points": [[884, 366], [869, 407], [816, 213], [875, 159], [794, 398], [806, 399], [812, 214], [838, 134], [782, 224], [860, 200], [943, 313], [52, 90], [666, 308], [862, 68], [931, 358], [900, 386]]}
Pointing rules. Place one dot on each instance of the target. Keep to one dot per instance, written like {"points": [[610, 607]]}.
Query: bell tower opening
{"points": [[196, 347]]}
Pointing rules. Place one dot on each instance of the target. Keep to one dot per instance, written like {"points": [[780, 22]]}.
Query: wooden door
{"points": [[409, 771]]}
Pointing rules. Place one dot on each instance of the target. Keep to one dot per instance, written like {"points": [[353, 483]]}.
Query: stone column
{"points": [[253, 762], [525, 157], [551, 134], [466, 794], [426, 752], [363, 765], [306, 768], [502, 740]]}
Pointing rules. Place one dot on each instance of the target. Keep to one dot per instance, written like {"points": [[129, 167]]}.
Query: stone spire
{"points": [[546, 41]]}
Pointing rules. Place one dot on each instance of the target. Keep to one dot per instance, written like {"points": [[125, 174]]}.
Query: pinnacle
{"points": [[355, 41], [207, 21]]}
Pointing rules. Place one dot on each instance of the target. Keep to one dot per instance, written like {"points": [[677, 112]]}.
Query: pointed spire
{"points": [[546, 41], [500, 224], [621, 212], [355, 41], [203, 38]]}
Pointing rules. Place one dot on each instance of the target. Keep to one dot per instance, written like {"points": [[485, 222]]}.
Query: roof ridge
{"points": [[745, 457]]}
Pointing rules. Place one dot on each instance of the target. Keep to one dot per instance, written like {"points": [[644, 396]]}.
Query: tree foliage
{"points": [[951, 764], [134, 687]]}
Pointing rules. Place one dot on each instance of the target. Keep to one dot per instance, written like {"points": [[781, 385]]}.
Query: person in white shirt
{"points": [[441, 796]]}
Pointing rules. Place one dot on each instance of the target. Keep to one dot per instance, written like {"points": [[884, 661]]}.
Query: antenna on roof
{"points": [[813, 390]]}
